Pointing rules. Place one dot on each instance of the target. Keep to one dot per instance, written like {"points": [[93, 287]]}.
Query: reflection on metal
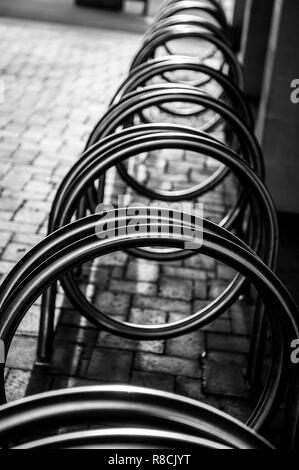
{"points": [[2, 352]]}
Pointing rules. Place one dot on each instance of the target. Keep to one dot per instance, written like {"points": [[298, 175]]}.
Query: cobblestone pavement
{"points": [[67, 12], [58, 82]]}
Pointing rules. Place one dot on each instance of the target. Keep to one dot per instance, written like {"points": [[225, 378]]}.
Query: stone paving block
{"points": [[14, 252], [72, 318], [242, 316], [190, 346], [165, 365], [38, 206], [75, 335], [106, 340], [18, 227], [191, 388], [175, 288], [201, 262], [164, 305], [240, 325], [10, 204], [36, 188], [185, 273], [113, 303], [195, 158], [200, 290], [117, 272], [16, 384], [222, 378], [181, 167], [4, 215], [29, 240], [142, 271], [232, 343], [131, 287], [37, 217], [109, 366], [99, 276], [234, 357], [93, 280], [5, 168], [29, 192], [22, 353], [65, 358], [4, 239], [147, 316], [30, 323], [152, 380], [114, 259]]}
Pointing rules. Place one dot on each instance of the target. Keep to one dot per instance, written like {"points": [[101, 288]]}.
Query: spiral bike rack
{"points": [[133, 102], [83, 308], [139, 76], [160, 36], [73, 188], [116, 111], [152, 68], [82, 240]]}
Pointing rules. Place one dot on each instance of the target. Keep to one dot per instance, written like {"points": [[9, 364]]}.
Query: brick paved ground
{"points": [[59, 80], [66, 11]]}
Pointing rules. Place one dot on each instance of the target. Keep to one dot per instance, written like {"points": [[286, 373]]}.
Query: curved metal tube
{"points": [[161, 37], [160, 66], [154, 95], [189, 20], [156, 418], [213, 12]]}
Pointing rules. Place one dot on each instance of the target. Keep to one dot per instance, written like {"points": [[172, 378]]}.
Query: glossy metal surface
{"points": [[155, 419]]}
